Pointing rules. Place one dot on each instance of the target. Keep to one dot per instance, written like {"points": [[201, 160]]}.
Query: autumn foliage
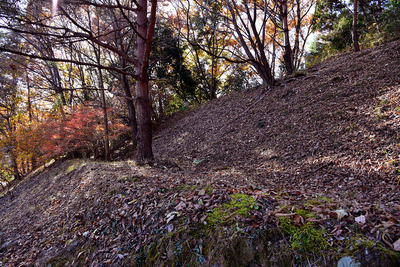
{"points": [[81, 132]]}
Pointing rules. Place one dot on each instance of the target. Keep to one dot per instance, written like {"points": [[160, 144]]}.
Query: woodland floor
{"points": [[325, 141]]}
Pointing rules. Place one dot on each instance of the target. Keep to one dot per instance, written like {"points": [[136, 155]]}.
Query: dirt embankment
{"points": [[302, 174]]}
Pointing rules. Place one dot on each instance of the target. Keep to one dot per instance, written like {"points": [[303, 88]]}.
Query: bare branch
{"points": [[67, 61]]}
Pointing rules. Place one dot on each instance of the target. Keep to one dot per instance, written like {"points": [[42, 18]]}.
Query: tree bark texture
{"points": [[145, 30], [130, 105], [287, 57], [355, 36]]}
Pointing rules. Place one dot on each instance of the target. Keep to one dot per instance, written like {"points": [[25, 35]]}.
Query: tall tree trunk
{"points": [[105, 115], [273, 54], [144, 136], [212, 86], [287, 57], [30, 116], [296, 47], [213, 95], [355, 36], [145, 32], [130, 104], [14, 166], [11, 124]]}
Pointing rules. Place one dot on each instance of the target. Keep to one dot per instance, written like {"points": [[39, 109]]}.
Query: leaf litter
{"points": [[326, 143]]}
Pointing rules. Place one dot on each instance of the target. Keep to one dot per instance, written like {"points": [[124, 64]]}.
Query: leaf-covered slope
{"points": [[332, 130], [319, 145]]}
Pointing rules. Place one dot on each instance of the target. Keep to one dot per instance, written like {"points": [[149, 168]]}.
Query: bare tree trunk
{"points": [[105, 115], [103, 104], [145, 34], [29, 107], [130, 104], [213, 62], [273, 54], [14, 166], [296, 47], [212, 86], [355, 36], [11, 125], [288, 51], [144, 136]]}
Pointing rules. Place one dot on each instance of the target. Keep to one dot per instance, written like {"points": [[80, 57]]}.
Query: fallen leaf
{"points": [[396, 245], [170, 218], [298, 220], [195, 219], [203, 219], [132, 201], [341, 213], [316, 209], [197, 161], [180, 206], [360, 220]]}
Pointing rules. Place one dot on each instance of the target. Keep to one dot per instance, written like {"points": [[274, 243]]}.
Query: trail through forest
{"points": [[302, 174]]}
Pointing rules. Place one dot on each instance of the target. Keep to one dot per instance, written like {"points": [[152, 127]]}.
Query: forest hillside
{"points": [[301, 174]]}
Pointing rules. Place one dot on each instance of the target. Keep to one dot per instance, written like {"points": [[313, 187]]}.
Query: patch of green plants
{"points": [[240, 204], [305, 213], [359, 244], [327, 199], [305, 239]]}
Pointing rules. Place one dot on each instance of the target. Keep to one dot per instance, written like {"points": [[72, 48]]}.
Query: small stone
{"points": [[348, 262]]}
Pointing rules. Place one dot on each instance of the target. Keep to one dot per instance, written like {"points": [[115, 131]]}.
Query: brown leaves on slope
{"points": [[326, 143]]}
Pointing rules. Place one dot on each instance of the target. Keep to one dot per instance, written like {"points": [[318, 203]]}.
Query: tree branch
{"points": [[67, 61]]}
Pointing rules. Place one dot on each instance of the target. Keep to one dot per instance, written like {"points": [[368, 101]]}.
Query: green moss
{"points": [[305, 239], [209, 189], [305, 213], [239, 204]]}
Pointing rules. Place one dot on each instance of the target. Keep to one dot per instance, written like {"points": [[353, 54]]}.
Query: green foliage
{"points": [[237, 81], [390, 20], [377, 23], [167, 65]]}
